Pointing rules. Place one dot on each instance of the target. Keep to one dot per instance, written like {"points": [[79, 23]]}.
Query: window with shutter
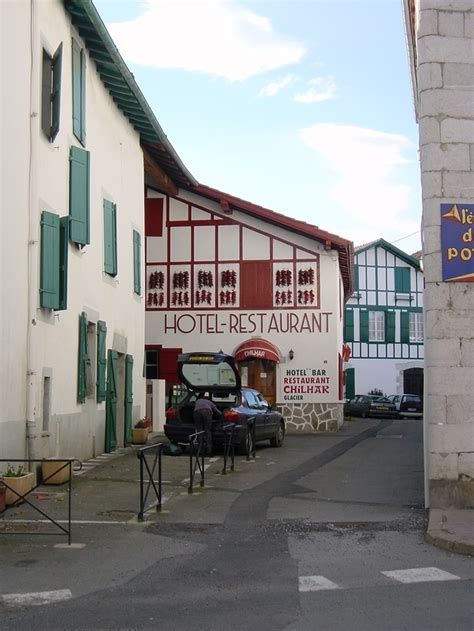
{"points": [[51, 92], [128, 399], [376, 326], [349, 326], [79, 92], [110, 238], [50, 259], [101, 360], [63, 261], [79, 192], [137, 263]]}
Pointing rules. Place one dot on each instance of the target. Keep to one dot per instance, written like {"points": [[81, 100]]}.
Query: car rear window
{"points": [[209, 374], [412, 398]]}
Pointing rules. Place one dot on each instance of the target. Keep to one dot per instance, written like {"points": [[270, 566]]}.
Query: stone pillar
{"points": [[445, 77]]}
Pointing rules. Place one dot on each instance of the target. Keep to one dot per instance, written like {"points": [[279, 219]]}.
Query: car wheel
{"points": [[246, 446], [277, 440]]}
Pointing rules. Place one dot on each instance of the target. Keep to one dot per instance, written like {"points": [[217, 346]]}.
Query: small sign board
{"points": [[457, 242]]}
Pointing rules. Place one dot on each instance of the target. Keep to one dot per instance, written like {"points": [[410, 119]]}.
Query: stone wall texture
{"points": [[445, 107], [313, 417]]}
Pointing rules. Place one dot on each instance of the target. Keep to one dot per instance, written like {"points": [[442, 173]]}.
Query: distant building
{"points": [[441, 52], [72, 209], [384, 322], [225, 274]]}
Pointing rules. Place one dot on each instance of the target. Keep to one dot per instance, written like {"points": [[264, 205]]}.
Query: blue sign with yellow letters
{"points": [[457, 242]]}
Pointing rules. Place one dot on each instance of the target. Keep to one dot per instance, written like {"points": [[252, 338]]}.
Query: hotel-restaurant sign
{"points": [[457, 242]]}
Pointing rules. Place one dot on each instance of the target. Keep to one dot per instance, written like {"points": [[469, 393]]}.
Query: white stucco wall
{"points": [[116, 174]]}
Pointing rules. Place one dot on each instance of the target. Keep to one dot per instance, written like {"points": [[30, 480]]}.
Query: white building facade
{"points": [[384, 322], [72, 211], [441, 50], [225, 275]]}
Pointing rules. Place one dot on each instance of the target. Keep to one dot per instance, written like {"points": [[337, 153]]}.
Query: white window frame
{"points": [[416, 326], [376, 326]]}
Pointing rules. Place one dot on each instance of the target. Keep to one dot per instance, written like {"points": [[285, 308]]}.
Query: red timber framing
{"points": [[228, 283]]}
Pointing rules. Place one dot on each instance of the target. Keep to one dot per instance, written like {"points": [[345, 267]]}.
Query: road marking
{"points": [[421, 575], [315, 583], [36, 598], [61, 521]]}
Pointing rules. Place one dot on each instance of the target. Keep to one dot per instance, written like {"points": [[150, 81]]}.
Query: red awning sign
{"points": [[256, 348]]}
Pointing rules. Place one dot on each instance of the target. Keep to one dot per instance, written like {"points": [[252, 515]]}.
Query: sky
{"points": [[301, 106]]}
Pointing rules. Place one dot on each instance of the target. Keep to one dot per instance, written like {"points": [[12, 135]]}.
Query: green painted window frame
{"points": [[349, 378], [110, 238], [356, 277], [402, 280], [416, 327], [404, 327], [349, 325], [390, 327], [79, 195], [79, 92], [137, 262], [364, 325]]}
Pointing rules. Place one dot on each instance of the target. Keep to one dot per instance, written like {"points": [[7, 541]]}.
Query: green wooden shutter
{"points": [[128, 399], [402, 280], [350, 383], [101, 360], [110, 238], [111, 402], [63, 261], [46, 94], [56, 92], [404, 327], [82, 359], [364, 326], [390, 326], [49, 274], [79, 92], [137, 284], [79, 189], [349, 326]]}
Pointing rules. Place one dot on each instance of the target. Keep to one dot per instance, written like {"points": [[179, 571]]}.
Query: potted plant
{"points": [[140, 431], [18, 481]]}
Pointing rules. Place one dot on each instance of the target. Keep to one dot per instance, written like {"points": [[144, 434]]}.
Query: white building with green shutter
{"points": [[384, 322], [74, 170]]}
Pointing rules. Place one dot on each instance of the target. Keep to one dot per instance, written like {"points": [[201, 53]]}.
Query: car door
{"points": [[272, 417], [258, 411]]}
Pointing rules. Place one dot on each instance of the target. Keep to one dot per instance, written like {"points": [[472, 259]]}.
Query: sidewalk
{"points": [[452, 529]]}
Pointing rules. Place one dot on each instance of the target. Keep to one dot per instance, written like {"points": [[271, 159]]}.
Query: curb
{"points": [[451, 531], [450, 544]]}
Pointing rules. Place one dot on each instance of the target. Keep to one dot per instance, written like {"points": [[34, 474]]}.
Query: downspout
{"points": [[32, 258]]}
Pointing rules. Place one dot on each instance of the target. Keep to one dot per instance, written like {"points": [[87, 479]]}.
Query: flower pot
{"points": [[139, 435], [22, 485], [55, 471]]}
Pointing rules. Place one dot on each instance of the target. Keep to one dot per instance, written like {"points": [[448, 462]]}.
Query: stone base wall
{"points": [[313, 417]]}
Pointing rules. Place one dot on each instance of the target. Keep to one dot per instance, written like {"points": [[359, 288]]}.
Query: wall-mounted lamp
{"points": [[291, 354]]}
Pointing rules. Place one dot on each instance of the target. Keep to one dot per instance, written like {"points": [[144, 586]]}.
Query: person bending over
{"points": [[204, 412]]}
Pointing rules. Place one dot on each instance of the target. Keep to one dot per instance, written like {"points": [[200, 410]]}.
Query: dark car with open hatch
{"points": [[216, 374]]}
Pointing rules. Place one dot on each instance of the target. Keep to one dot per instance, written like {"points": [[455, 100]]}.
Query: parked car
{"points": [[369, 405], [408, 405], [217, 375]]}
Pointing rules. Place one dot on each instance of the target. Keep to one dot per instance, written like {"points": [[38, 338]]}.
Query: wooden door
{"points": [[261, 375]]}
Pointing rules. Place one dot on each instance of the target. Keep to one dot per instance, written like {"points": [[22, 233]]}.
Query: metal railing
{"points": [[229, 445], [66, 463], [196, 458], [151, 483]]}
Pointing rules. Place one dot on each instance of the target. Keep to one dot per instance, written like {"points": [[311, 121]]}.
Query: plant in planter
{"points": [[3, 492], [55, 471], [140, 431], [18, 481]]}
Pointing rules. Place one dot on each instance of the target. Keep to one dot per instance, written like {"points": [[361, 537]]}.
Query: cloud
{"points": [[215, 37], [271, 89], [367, 188], [321, 89]]}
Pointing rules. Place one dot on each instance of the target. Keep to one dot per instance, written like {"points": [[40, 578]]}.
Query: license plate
{"points": [[383, 407], [411, 409]]}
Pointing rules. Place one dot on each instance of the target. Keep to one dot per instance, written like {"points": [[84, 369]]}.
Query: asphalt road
{"points": [[325, 533]]}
